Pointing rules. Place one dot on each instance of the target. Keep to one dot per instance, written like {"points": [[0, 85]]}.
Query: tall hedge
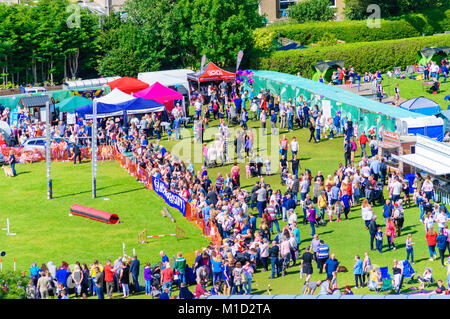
{"points": [[363, 56], [348, 31], [411, 25]]}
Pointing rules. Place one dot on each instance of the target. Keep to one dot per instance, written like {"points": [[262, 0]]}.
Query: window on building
{"points": [[284, 4], [332, 3]]}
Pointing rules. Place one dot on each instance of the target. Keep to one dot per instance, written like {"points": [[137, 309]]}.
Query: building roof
{"points": [[36, 100], [431, 156]]}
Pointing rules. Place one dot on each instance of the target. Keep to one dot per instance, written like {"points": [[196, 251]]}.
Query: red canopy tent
{"points": [[159, 93], [211, 73], [128, 85]]}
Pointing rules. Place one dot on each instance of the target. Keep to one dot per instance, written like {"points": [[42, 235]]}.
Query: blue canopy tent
{"points": [[103, 110], [141, 105], [421, 105], [134, 106]]}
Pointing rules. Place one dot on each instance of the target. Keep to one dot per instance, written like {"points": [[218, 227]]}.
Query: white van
{"points": [[36, 89]]}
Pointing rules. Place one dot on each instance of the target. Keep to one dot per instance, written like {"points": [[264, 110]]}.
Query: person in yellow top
{"points": [[322, 203]]}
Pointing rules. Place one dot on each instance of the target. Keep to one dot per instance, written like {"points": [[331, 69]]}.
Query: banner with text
{"points": [[172, 199]]}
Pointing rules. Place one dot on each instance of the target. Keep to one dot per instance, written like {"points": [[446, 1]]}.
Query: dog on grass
{"points": [[8, 171]]}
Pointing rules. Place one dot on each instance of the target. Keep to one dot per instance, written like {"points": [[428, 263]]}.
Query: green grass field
{"points": [[410, 89], [46, 232]]}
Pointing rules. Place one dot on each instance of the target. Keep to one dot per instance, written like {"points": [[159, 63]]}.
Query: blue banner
{"points": [[172, 199]]}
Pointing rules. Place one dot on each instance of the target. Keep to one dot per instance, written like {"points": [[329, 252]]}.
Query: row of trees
{"points": [[159, 34], [52, 40], [45, 43]]}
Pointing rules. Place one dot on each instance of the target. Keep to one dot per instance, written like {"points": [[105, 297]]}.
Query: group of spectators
{"points": [[49, 280]]}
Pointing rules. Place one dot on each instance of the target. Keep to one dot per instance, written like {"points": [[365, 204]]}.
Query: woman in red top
{"points": [[431, 242], [390, 233]]}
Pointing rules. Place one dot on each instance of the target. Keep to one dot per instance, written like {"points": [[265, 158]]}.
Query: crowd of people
{"points": [[249, 221]]}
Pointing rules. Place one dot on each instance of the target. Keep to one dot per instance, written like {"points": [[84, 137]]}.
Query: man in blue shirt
{"points": [[375, 168], [346, 203], [238, 104], [34, 273], [331, 265], [177, 127], [273, 120], [164, 258], [305, 115], [334, 194], [206, 212]]}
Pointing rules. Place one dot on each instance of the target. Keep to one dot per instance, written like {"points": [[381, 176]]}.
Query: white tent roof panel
{"points": [[115, 97], [425, 163]]}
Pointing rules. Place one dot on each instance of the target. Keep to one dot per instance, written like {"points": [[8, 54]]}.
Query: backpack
{"points": [[243, 276]]}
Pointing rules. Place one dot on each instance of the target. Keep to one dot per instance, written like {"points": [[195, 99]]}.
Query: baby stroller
{"points": [[284, 176], [232, 115], [253, 169], [156, 282], [377, 193]]}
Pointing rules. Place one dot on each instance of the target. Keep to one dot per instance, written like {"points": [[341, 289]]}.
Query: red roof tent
{"points": [[160, 93], [211, 73], [128, 85]]}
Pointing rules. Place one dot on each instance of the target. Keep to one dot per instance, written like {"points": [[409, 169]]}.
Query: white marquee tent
{"points": [[174, 79]]}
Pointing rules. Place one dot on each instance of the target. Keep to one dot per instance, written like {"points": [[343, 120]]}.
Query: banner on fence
{"points": [[172, 199]]}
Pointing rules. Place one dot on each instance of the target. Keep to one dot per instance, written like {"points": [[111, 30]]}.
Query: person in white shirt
{"points": [[292, 217], [434, 69], [198, 108], [396, 190], [264, 253], [428, 221], [294, 146], [441, 219], [366, 212], [365, 171]]}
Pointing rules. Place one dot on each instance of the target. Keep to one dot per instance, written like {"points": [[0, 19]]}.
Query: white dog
{"points": [[8, 171]]}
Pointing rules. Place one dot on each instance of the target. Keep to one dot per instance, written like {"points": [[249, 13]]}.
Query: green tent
{"points": [[367, 114], [72, 103], [435, 54], [325, 69]]}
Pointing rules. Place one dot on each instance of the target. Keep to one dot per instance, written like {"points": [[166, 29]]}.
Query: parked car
{"points": [[2, 159], [39, 143]]}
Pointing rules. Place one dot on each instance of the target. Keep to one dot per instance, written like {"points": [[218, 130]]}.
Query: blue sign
{"points": [[172, 199]]}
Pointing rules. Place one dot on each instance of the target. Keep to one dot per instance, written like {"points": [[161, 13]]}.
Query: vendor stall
{"points": [[394, 145], [36, 104], [211, 73], [431, 158]]}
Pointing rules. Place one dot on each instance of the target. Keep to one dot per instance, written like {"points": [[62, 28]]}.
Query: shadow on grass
{"points": [[21, 173], [123, 192], [84, 192]]}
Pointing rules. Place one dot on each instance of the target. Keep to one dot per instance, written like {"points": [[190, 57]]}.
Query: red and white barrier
{"points": [[154, 236]]}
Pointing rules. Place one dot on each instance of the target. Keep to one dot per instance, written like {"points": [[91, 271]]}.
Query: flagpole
{"points": [[48, 157], [94, 149]]}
